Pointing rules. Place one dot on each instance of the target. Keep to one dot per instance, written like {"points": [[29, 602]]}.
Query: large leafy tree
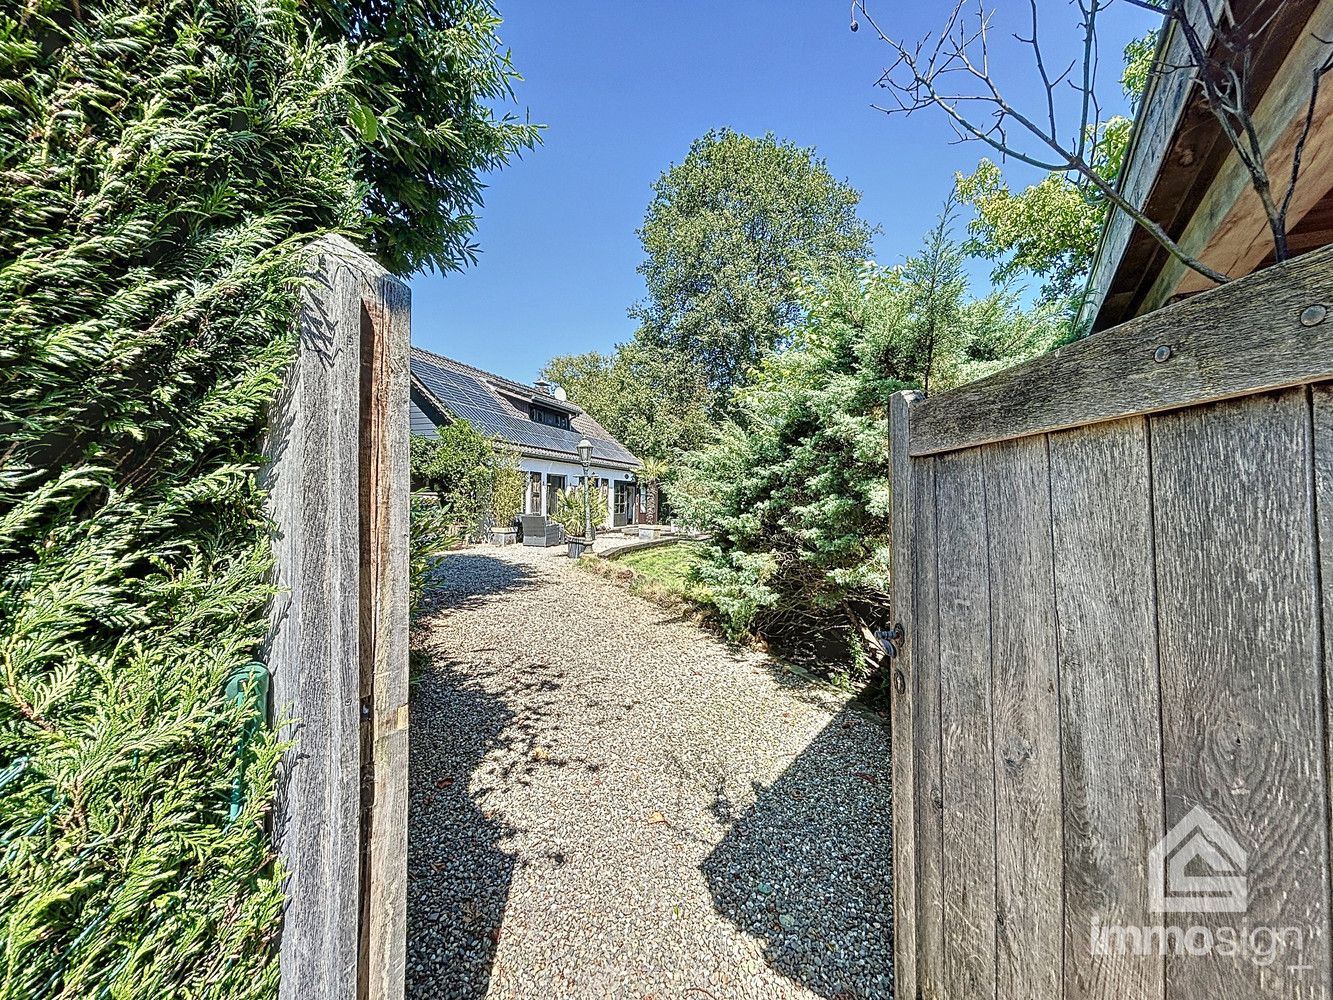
{"points": [[731, 235], [422, 110], [654, 403]]}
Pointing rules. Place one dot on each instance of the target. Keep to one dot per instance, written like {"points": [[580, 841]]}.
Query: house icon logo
{"points": [[1198, 868]]}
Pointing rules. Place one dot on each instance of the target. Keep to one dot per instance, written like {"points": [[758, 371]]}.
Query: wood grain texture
{"points": [[1163, 106], [967, 754], [338, 489], [1026, 722], [1321, 487], [927, 732], [1230, 230], [385, 560], [1242, 698], [904, 686], [313, 650], [1117, 376], [1106, 629]]}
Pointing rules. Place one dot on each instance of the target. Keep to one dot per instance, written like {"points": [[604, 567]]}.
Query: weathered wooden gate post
{"points": [[338, 497], [903, 701]]}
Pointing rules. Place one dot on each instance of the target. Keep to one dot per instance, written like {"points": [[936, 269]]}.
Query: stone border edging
{"points": [[652, 543]]}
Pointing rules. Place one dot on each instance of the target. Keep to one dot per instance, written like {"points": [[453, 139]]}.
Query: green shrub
{"points": [[795, 490], [508, 482], [429, 539], [456, 464], [165, 164]]}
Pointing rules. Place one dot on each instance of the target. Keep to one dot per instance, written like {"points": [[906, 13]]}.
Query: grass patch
{"points": [[671, 566], [665, 574]]}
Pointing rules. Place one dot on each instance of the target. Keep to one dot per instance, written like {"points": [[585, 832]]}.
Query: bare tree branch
{"points": [[953, 75], [916, 84], [1317, 76]]}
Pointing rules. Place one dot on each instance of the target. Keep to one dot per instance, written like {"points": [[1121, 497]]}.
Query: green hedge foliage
{"points": [[163, 166]]}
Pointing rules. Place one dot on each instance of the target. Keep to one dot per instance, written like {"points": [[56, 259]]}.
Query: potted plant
{"points": [[506, 496], [572, 515]]}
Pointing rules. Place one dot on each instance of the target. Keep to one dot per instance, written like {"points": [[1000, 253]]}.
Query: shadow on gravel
{"points": [[466, 580], [458, 874], [465, 742], [807, 868]]}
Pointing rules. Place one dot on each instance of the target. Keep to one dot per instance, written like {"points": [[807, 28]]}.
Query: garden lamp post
{"points": [[585, 456]]}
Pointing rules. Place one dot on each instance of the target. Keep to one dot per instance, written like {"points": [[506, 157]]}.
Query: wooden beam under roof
{"points": [[1173, 174], [1230, 230], [1158, 123]]}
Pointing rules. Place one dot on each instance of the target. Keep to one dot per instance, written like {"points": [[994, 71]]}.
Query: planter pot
{"points": [[578, 546], [504, 536]]}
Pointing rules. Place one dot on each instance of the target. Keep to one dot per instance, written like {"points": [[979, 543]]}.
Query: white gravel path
{"points": [[609, 802]]}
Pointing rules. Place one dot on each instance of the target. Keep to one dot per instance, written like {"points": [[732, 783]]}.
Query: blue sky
{"points": [[625, 87]]}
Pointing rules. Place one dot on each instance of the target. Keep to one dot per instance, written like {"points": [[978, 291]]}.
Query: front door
{"points": [[623, 511], [534, 492], [555, 485]]}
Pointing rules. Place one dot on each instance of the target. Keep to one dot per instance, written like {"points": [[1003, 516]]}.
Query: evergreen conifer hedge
{"points": [[163, 166]]}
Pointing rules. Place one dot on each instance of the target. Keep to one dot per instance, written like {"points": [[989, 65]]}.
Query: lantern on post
{"points": [[585, 456]]}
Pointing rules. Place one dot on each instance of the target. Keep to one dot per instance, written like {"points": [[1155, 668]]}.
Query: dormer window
{"points": [[541, 415]]}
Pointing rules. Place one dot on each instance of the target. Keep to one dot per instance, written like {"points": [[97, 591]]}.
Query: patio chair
{"points": [[541, 531]]}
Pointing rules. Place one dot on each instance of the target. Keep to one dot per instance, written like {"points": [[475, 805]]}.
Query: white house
{"points": [[538, 421]]}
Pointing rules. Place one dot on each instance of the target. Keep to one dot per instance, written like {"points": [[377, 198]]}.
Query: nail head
{"points": [[1314, 315], [1162, 353]]}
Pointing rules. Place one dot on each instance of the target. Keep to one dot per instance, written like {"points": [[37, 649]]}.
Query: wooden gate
{"points": [[1113, 570], [338, 497]]}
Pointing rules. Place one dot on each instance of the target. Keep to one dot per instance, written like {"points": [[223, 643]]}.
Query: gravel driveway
{"points": [[608, 802]]}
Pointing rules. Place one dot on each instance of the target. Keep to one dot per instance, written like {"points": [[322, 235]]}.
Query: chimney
{"points": [[543, 386]]}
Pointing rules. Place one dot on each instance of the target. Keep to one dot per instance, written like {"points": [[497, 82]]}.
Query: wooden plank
{"points": [[1025, 702], [1106, 630], [968, 780], [313, 649], [1117, 373], [385, 562], [1198, 153], [1155, 127], [1321, 421], [1242, 699], [924, 638], [1229, 231], [903, 703]]}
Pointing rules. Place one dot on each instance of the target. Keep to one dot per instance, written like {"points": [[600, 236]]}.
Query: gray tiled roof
{"points": [[498, 407]]}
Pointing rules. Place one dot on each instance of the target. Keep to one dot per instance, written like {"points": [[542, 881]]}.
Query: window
{"points": [[541, 415]]}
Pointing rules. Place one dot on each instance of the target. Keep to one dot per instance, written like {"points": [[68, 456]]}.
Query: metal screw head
{"points": [[1162, 353], [1313, 315]]}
